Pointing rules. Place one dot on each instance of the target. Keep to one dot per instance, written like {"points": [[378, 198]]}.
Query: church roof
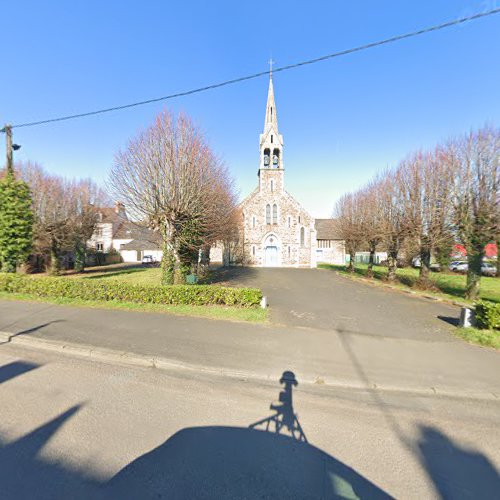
{"points": [[326, 229]]}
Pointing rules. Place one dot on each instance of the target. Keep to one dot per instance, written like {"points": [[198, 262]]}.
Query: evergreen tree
{"points": [[16, 222]]}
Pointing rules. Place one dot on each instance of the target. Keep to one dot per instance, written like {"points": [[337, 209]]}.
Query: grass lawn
{"points": [[451, 285], [489, 338], [255, 315], [136, 275]]}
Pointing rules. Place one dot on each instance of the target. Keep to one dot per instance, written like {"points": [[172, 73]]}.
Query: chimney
{"points": [[120, 209]]}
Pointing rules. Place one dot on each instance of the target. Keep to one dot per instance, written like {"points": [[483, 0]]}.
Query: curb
{"points": [[139, 360]]}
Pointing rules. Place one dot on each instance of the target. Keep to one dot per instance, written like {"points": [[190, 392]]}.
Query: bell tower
{"points": [[271, 143]]}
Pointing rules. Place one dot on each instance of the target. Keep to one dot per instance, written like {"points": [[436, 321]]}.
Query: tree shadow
{"points": [[25, 473], [112, 270], [14, 369], [114, 273], [457, 472], [232, 276]]}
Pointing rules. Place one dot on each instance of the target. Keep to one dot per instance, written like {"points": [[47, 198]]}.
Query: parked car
{"points": [[488, 269], [149, 260], [417, 264], [459, 266]]}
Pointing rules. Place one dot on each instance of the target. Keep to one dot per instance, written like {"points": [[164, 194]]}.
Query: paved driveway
{"points": [[319, 298]]}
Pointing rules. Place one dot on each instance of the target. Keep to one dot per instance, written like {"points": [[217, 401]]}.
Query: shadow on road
{"points": [[31, 330], [233, 462], [14, 369], [457, 472], [232, 276], [285, 417], [450, 320]]}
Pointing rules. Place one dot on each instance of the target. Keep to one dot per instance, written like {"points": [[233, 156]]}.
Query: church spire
{"points": [[271, 141], [271, 116]]}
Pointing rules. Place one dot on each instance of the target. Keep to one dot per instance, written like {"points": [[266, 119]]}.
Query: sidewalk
{"points": [[340, 358]]}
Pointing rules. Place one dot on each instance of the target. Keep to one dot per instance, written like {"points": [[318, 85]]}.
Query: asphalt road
{"points": [[322, 299], [71, 428]]}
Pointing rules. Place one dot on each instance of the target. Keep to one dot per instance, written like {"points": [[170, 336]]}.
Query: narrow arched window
{"points": [[289, 221], [275, 214], [253, 222], [268, 214], [272, 185], [302, 236]]}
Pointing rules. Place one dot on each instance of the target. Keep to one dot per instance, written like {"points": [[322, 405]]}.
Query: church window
{"points": [[99, 247], [289, 251], [302, 236], [268, 214], [253, 251], [253, 222], [299, 219], [272, 185], [289, 221], [275, 214], [271, 138]]}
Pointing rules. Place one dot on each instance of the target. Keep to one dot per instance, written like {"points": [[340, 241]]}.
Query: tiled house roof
{"points": [[326, 229]]}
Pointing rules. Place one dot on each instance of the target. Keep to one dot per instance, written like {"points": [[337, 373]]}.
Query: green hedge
{"points": [[106, 290], [488, 315]]}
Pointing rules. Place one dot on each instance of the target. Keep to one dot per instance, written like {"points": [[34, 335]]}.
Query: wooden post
{"points": [[8, 140]]}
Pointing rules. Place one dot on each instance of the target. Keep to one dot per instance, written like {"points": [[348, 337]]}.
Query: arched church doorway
{"points": [[271, 246]]}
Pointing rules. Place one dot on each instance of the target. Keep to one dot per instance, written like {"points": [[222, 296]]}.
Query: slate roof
{"points": [[326, 229], [142, 237], [109, 214]]}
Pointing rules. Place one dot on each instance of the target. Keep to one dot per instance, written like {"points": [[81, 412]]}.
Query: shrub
{"points": [[107, 290], [488, 315]]}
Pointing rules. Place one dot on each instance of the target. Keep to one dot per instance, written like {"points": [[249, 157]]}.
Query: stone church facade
{"points": [[277, 230]]}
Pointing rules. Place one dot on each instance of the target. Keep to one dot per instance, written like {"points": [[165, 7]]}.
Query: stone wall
{"points": [[284, 230]]}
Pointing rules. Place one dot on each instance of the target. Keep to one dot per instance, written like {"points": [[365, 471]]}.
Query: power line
{"points": [[262, 73]]}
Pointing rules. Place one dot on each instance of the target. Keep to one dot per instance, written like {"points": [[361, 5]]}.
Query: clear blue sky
{"points": [[342, 120]]}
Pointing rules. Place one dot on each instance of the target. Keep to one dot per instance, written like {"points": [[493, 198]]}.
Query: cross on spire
{"points": [[271, 62]]}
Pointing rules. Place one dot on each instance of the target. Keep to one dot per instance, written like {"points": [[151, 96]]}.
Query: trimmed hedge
{"points": [[488, 315], [106, 290]]}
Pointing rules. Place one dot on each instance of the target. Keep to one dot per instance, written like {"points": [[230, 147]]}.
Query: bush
{"points": [[106, 290], [488, 315]]}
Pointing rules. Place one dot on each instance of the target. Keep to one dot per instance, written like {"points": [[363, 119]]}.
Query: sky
{"points": [[343, 120]]}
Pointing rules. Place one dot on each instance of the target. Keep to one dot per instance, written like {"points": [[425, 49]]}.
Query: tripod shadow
{"points": [[284, 418]]}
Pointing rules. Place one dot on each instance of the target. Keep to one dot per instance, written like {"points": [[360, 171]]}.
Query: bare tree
{"points": [[348, 219], [66, 213], [426, 191], [393, 219], [169, 177], [475, 160], [370, 199]]}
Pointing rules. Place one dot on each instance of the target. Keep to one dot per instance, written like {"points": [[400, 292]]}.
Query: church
{"points": [[277, 231]]}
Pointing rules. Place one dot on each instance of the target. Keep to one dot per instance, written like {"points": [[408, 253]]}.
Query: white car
{"points": [[488, 269], [459, 266], [149, 260]]}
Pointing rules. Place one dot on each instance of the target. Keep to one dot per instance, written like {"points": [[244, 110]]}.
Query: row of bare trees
{"points": [[429, 202], [65, 215], [169, 178]]}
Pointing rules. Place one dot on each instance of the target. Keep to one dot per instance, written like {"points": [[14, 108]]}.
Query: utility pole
{"points": [[10, 148], [8, 145]]}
